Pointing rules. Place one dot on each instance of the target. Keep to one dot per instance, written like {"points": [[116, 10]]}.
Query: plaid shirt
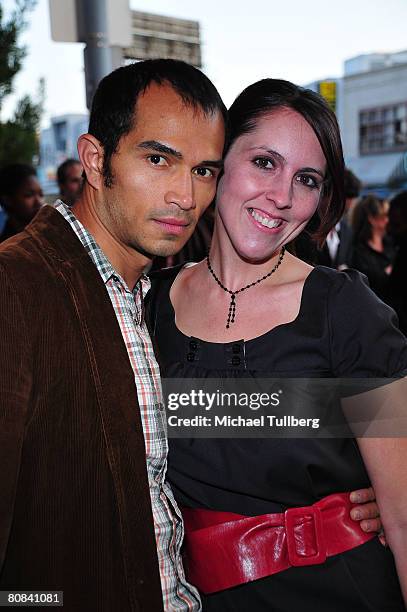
{"points": [[169, 532]]}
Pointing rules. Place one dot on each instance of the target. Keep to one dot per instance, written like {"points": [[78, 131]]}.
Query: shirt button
{"points": [[190, 357], [193, 345], [235, 361]]}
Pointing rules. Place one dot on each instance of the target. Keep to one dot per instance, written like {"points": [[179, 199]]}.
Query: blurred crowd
{"points": [[371, 236]]}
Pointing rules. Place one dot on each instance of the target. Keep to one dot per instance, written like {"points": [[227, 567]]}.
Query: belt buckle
{"points": [[292, 516]]}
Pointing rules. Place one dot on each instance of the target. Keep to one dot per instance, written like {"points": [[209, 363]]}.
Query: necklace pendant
{"points": [[232, 311], [232, 305]]}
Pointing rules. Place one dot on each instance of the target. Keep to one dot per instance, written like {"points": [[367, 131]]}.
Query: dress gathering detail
{"points": [[342, 331]]}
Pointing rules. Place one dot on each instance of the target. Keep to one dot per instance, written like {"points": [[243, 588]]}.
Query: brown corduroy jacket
{"points": [[75, 511]]}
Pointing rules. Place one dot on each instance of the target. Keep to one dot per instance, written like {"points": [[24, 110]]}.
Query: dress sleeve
{"points": [[364, 333]]}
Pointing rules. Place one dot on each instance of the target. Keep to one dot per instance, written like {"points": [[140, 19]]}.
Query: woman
{"points": [[268, 314], [373, 252]]}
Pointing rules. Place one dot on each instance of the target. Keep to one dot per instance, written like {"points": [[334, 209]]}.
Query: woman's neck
{"points": [[233, 271], [376, 241]]}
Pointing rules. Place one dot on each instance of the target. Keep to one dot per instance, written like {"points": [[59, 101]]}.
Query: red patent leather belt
{"points": [[225, 549]]}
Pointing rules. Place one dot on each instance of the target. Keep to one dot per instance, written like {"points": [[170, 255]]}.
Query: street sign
{"points": [[327, 89], [67, 23], [113, 35]]}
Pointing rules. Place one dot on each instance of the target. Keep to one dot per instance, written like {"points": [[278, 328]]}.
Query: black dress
{"points": [[374, 263], [342, 330]]}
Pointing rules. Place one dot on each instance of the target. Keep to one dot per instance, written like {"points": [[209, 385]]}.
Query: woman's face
{"points": [[271, 184], [379, 222]]}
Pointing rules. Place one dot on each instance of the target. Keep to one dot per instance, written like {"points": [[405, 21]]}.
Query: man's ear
{"points": [[91, 155]]}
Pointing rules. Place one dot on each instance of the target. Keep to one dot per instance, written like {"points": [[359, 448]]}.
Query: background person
{"points": [[21, 197], [337, 249], [69, 178], [397, 284], [373, 250]]}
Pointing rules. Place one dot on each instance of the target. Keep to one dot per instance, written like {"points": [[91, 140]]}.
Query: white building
{"points": [[370, 101], [374, 119], [57, 143]]}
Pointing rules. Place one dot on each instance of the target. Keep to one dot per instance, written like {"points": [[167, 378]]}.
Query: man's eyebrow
{"points": [[214, 163], [282, 158], [159, 147]]}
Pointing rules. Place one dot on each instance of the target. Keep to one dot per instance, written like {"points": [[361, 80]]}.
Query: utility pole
{"points": [[97, 53]]}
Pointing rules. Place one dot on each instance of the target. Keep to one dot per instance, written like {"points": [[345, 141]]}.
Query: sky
{"points": [[241, 43]]}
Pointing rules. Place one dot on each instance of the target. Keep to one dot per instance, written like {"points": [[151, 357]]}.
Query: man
{"points": [[338, 248], [84, 508], [69, 177]]}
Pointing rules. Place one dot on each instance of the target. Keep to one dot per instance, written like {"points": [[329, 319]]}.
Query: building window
{"points": [[60, 135], [383, 129]]}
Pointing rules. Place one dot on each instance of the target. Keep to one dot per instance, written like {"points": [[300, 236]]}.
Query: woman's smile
{"points": [[265, 222]]}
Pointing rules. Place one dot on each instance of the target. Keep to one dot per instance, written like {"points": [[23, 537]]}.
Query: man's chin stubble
{"points": [[170, 247]]}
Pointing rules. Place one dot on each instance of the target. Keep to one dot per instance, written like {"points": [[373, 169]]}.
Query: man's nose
{"points": [[181, 192]]}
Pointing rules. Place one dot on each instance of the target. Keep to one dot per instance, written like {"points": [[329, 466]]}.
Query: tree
{"points": [[18, 135]]}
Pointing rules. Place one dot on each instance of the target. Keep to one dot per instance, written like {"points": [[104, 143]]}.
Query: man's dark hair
{"points": [[398, 215], [352, 184], [268, 95], [114, 111], [400, 201], [64, 167]]}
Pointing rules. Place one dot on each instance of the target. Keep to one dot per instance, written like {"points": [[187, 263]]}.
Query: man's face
{"points": [[26, 201], [164, 174], [71, 186]]}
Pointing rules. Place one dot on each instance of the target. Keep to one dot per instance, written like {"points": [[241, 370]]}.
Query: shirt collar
{"points": [[102, 263]]}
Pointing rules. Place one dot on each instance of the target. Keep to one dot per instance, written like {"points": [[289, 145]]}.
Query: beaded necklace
{"points": [[232, 306]]}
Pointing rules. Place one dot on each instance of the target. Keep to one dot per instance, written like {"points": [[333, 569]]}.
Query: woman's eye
{"points": [[157, 160], [307, 181], [204, 172], [265, 163]]}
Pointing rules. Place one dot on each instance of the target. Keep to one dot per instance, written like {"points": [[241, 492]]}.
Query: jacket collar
{"points": [[56, 237]]}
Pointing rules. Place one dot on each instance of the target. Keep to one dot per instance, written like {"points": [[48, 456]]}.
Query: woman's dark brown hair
{"points": [[369, 206], [267, 95]]}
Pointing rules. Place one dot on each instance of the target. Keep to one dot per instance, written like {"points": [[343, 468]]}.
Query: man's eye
{"points": [[157, 160], [265, 163], [204, 172], [307, 181]]}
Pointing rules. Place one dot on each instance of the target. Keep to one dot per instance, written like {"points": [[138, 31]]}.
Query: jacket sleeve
{"points": [[15, 391]]}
